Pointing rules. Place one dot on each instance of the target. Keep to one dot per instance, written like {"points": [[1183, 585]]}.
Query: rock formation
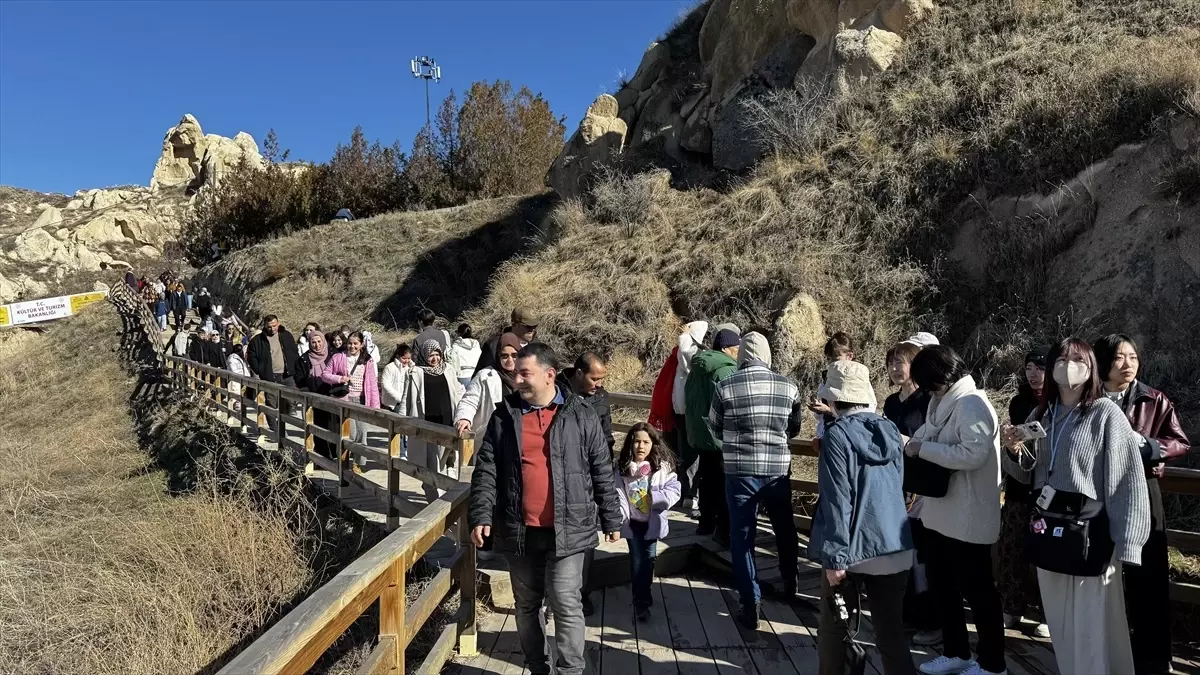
{"points": [[688, 91], [192, 159], [601, 133]]}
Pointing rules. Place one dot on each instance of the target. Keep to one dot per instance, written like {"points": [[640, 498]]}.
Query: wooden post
{"points": [[260, 417], [393, 477], [310, 441], [343, 455], [191, 371], [280, 425], [467, 638], [466, 451], [217, 392], [391, 612]]}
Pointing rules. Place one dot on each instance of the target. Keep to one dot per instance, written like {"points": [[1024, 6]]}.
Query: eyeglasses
{"points": [[508, 357]]}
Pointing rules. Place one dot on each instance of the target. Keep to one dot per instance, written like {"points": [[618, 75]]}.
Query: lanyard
{"points": [[1055, 438]]}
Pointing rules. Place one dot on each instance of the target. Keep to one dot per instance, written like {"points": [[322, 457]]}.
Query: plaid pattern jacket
{"points": [[754, 412]]}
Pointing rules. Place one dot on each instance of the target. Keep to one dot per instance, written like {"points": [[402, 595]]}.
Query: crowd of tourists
{"points": [[1049, 518]]}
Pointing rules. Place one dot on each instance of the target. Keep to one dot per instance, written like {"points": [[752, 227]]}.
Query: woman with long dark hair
{"points": [[1153, 417], [961, 433], [1091, 511], [1017, 578]]}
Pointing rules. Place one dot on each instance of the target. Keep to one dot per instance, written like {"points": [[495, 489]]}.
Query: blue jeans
{"points": [[642, 553], [744, 493]]}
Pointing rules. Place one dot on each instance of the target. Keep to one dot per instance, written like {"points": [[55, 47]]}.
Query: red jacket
{"points": [[1153, 416]]}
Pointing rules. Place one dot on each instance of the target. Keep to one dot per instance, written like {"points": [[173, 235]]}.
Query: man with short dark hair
{"points": [[754, 412], [543, 486], [586, 379], [272, 357], [429, 331], [524, 325]]}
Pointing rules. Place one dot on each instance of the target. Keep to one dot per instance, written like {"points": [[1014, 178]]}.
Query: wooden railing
{"points": [[297, 640]]}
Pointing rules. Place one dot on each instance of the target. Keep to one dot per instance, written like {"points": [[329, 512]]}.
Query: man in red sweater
{"points": [[541, 490]]}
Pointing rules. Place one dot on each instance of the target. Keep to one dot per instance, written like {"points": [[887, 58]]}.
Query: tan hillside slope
{"points": [[101, 571]]}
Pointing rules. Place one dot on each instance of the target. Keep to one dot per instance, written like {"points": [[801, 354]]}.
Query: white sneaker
{"points": [[927, 638], [945, 665], [1042, 631], [976, 670]]}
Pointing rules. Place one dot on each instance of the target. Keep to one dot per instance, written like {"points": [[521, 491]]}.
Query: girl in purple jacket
{"points": [[647, 487]]}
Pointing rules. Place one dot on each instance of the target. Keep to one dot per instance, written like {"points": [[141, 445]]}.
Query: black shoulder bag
{"points": [[923, 477], [1059, 540], [341, 389]]}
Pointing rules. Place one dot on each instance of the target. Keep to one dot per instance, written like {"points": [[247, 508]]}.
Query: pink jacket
{"points": [[338, 367]]}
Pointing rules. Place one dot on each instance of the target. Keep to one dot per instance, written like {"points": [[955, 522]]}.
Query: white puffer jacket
{"points": [[961, 433], [485, 392], [690, 342]]}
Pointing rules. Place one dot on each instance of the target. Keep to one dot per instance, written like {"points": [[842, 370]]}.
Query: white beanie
{"points": [[754, 347]]}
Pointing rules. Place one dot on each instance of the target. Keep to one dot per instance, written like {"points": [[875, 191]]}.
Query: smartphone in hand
{"points": [[1030, 431]]}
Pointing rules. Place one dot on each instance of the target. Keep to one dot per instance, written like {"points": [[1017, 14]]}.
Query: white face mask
{"points": [[1071, 373]]}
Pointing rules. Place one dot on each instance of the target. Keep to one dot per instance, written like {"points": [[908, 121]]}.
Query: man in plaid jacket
{"points": [[754, 413]]}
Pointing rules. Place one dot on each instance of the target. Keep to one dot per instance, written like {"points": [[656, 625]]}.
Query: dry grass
{"points": [[100, 570]]}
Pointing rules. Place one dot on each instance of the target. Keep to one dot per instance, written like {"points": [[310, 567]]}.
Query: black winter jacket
{"points": [[598, 401], [585, 496], [259, 355]]}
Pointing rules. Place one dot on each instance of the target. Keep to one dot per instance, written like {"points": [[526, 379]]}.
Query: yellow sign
{"points": [[81, 300], [4, 320]]}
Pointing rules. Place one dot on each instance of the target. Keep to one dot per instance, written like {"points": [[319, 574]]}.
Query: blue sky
{"points": [[87, 89]]}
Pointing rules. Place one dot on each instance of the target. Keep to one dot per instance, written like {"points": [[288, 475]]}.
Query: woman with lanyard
{"points": [[1153, 417], [1091, 511]]}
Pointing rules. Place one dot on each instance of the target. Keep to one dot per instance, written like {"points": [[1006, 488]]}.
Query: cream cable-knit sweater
{"points": [[1099, 459], [961, 433]]}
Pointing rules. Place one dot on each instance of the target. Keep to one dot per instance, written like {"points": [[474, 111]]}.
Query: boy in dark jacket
{"points": [[542, 487]]}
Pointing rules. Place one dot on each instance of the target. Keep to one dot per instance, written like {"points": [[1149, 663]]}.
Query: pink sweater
{"points": [[339, 366]]}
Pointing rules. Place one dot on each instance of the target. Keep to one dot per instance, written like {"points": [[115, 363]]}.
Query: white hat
{"points": [[921, 340], [848, 382]]}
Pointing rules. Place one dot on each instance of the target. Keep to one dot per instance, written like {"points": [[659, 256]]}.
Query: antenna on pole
{"points": [[425, 68]]}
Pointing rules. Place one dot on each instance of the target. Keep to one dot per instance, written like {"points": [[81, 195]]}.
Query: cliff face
{"points": [[686, 97]]}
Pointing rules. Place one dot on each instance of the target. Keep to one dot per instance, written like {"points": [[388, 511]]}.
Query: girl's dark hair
{"points": [[839, 344], [659, 455], [363, 354], [330, 338], [1106, 352], [1092, 389], [464, 331], [402, 349], [935, 367]]}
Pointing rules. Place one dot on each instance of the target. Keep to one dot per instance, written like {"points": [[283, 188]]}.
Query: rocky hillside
{"points": [[54, 243]]}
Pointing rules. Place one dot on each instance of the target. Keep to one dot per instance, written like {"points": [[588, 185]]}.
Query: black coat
{"points": [[598, 401], [204, 305], [585, 495], [177, 302], [259, 355]]}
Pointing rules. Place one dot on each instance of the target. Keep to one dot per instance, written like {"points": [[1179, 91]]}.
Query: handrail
{"points": [[299, 639]]}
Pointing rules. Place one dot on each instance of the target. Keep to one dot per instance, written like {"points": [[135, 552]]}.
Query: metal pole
{"points": [[428, 123]]}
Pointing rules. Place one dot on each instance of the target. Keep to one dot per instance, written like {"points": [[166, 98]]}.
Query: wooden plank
{"points": [[1182, 481], [506, 639], [1035, 656], [374, 454], [323, 462], [381, 658], [719, 625], [734, 661], [593, 626], [620, 631], [1188, 542], [655, 633], [429, 600], [423, 474], [763, 638], [772, 661], [293, 420], [440, 652], [695, 661], [1185, 592], [656, 660], [621, 660], [324, 434], [683, 618]]}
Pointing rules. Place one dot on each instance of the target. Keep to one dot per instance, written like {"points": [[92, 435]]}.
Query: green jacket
{"points": [[708, 368]]}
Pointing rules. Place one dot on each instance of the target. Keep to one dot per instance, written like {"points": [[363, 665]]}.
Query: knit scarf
{"points": [[427, 350]]}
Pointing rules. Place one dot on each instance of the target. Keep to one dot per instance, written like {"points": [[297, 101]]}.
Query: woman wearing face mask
{"points": [[357, 369], [432, 394], [488, 388], [1018, 580], [1153, 417], [961, 433], [1085, 473]]}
